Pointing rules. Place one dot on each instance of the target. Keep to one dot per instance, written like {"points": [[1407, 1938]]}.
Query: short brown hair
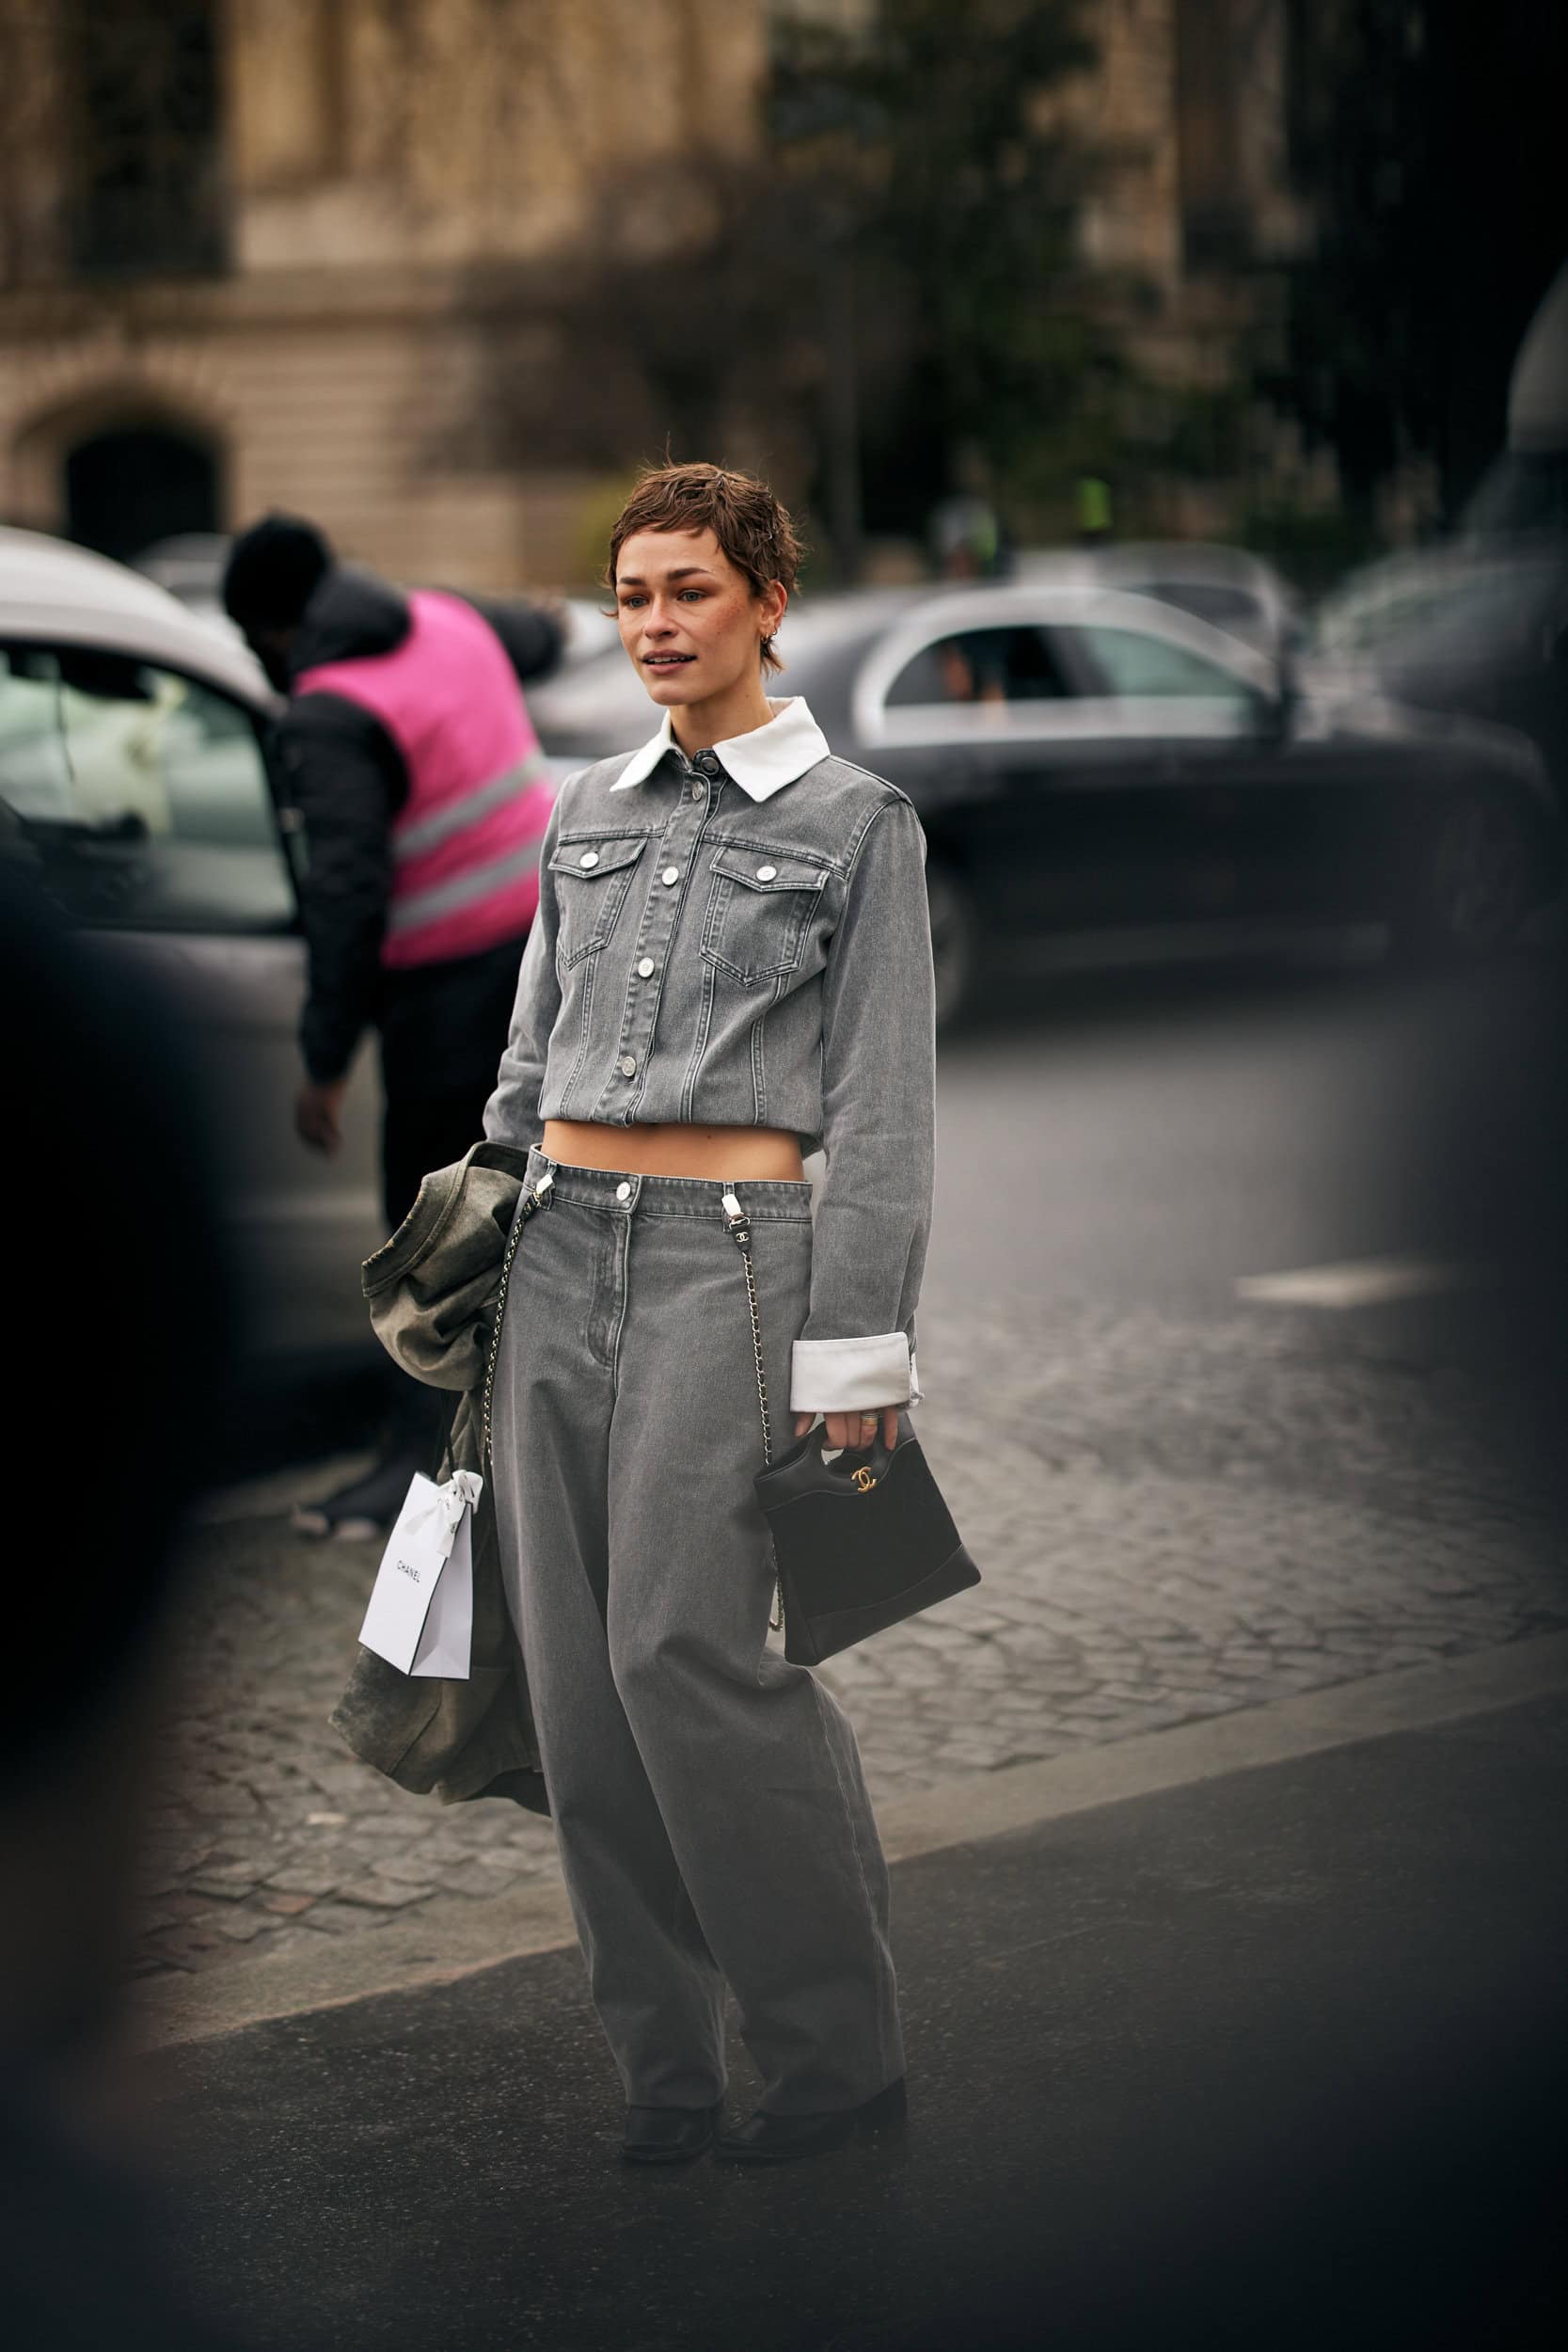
{"points": [[751, 525]]}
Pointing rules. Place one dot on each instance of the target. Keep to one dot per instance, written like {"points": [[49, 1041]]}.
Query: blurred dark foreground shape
{"points": [[119, 1335]]}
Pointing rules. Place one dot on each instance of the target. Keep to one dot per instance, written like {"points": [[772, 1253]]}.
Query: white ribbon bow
{"points": [[439, 1514]]}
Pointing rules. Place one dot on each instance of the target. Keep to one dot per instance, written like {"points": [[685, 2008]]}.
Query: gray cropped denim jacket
{"points": [[743, 940]]}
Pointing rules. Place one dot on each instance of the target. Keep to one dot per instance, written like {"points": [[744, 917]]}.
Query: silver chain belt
{"points": [[738, 1226], [530, 1200]]}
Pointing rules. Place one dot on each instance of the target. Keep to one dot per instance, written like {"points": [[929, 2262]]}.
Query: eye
{"points": [[628, 601], [692, 592]]}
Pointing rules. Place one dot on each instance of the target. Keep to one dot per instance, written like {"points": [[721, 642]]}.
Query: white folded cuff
{"points": [[851, 1375]]}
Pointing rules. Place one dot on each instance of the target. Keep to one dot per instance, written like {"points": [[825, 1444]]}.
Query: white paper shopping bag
{"points": [[421, 1611]]}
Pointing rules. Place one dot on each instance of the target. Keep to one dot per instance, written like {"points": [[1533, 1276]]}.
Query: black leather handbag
{"points": [[860, 1542]]}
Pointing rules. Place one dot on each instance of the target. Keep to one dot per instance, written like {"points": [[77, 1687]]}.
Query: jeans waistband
{"points": [[622, 1191]]}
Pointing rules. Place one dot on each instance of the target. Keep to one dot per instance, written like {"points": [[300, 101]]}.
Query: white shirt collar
{"points": [[762, 761]]}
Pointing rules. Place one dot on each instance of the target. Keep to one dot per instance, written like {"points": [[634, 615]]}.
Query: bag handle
{"points": [[856, 1464]]}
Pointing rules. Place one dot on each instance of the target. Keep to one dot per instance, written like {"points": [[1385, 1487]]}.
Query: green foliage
{"points": [[919, 151]]}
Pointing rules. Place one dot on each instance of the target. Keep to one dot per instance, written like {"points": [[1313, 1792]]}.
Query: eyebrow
{"points": [[682, 571]]}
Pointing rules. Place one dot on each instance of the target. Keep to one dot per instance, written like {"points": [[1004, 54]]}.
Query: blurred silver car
{"points": [[131, 776], [1230, 588]]}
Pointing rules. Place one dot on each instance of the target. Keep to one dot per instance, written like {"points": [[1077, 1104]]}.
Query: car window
{"points": [[979, 665], [1131, 664], [1222, 606], [141, 795]]}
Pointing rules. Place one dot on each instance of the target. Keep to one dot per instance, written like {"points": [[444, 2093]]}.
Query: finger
{"points": [[890, 1426]]}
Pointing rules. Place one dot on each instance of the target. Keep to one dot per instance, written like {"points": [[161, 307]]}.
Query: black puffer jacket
{"points": [[338, 767]]}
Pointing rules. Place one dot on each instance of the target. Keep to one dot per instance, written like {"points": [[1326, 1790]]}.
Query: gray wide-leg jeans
{"points": [[709, 1801]]}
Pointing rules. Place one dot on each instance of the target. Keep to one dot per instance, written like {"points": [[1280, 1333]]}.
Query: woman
{"points": [[731, 961]]}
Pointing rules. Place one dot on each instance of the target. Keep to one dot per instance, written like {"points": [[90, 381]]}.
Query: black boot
{"points": [[668, 2134], [780, 2139], [411, 1440]]}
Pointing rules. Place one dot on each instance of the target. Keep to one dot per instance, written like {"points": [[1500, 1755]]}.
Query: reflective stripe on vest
{"points": [[408, 912], [414, 840]]}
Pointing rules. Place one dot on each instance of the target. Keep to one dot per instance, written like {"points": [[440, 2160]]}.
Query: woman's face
{"points": [[689, 619]]}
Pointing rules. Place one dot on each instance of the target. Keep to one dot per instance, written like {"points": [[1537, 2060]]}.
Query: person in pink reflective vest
{"points": [[407, 751]]}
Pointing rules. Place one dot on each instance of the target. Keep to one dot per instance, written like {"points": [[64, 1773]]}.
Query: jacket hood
{"points": [[351, 615]]}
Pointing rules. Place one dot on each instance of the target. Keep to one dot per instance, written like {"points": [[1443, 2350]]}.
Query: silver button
{"points": [[765, 873], [588, 857], [629, 1066], [671, 874], [622, 1192], [645, 967]]}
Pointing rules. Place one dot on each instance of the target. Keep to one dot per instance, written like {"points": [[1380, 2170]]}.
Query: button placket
{"points": [[661, 906]]}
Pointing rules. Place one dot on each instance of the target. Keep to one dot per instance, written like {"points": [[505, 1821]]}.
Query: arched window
{"points": [[133, 484]]}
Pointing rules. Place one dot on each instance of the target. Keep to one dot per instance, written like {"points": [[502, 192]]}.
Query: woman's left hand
{"points": [[856, 1430]]}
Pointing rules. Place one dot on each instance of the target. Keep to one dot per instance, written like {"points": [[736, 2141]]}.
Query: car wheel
{"points": [[1472, 883], [955, 940]]}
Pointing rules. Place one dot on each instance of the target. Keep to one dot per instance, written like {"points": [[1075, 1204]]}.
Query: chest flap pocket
{"points": [[591, 874], [759, 911]]}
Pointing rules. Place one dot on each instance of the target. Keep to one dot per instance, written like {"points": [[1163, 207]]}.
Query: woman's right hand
{"points": [[856, 1430]]}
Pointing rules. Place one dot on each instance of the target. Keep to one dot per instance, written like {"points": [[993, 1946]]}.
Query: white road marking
{"points": [[1359, 1282]]}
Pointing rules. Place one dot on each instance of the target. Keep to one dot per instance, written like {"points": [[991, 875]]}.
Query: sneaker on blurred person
{"points": [[359, 1513]]}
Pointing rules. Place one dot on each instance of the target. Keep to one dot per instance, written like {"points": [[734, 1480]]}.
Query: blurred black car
{"points": [[1101, 776], [1478, 626]]}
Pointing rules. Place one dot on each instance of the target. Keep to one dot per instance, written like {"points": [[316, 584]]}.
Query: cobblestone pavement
{"points": [[1173, 1518]]}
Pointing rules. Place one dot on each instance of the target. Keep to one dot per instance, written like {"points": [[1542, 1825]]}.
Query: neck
{"points": [[739, 710]]}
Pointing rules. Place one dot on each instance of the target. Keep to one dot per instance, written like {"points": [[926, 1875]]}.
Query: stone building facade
{"points": [[266, 252], [259, 252]]}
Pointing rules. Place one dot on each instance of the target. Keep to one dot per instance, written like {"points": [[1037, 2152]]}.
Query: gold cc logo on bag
{"points": [[864, 1481]]}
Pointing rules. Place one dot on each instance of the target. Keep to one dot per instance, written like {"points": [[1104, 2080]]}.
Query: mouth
{"points": [[666, 661]]}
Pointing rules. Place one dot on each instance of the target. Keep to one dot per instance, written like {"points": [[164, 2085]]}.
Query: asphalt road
{"points": [[1275, 2060], [1153, 1138]]}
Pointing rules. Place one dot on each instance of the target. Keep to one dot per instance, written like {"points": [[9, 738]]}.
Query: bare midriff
{"points": [[674, 1149]]}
